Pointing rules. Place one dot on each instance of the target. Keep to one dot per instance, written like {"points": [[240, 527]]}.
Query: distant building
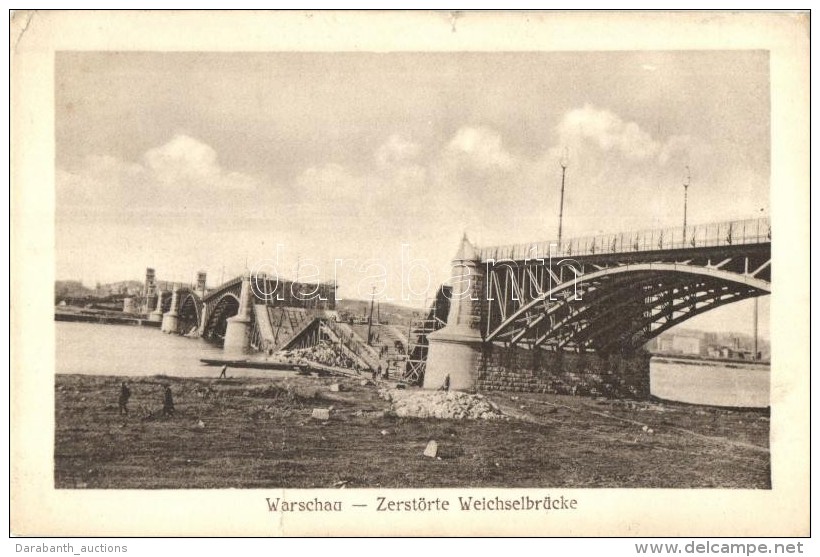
{"points": [[679, 344], [731, 346], [743, 355], [729, 353]]}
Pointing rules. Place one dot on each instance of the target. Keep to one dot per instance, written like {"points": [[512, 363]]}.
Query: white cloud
{"points": [[597, 135], [607, 131], [100, 181], [396, 151], [480, 148], [396, 172], [185, 162], [183, 171]]}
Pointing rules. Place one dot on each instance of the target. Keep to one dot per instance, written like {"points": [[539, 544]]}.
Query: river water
{"points": [[714, 383], [94, 349]]}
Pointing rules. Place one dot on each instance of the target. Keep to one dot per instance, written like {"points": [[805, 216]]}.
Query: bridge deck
{"points": [[723, 234]]}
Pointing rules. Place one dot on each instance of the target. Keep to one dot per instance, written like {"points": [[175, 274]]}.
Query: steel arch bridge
{"points": [[219, 305], [614, 293], [223, 302], [206, 314], [189, 304]]}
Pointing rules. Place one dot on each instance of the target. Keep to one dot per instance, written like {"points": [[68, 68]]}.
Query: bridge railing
{"points": [[739, 232]]}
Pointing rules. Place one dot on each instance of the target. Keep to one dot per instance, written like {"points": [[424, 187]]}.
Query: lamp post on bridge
{"points": [[685, 201], [563, 163]]}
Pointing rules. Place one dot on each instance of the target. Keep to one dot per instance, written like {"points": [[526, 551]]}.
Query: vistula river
{"points": [[94, 349]]}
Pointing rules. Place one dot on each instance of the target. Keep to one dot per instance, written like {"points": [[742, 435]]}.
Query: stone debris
{"points": [[431, 449], [324, 353], [200, 424], [365, 382], [453, 405], [320, 414], [335, 388]]}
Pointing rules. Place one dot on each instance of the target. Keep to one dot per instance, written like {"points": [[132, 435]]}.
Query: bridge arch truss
{"points": [[608, 303]]}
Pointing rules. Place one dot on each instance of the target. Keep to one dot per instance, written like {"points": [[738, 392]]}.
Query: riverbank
{"points": [[254, 432], [102, 317]]}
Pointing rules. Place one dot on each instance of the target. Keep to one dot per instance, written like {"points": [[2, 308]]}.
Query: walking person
{"points": [[224, 371], [168, 402], [125, 394]]}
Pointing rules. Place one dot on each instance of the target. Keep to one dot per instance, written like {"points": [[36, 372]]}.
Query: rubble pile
{"points": [[451, 405], [323, 353]]}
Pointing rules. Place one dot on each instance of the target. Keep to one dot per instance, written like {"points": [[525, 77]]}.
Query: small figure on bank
{"points": [[168, 402], [125, 394], [224, 371], [446, 386]]}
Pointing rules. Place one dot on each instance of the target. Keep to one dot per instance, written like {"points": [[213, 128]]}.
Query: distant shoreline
{"points": [[102, 319], [696, 360]]}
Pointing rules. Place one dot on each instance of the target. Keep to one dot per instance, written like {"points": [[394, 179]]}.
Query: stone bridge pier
{"points": [[170, 321], [238, 330], [156, 315], [455, 350], [460, 352]]}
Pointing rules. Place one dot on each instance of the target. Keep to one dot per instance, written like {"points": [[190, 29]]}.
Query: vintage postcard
{"points": [[409, 273]]}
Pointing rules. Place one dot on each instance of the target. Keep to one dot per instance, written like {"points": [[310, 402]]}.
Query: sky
{"points": [[227, 161]]}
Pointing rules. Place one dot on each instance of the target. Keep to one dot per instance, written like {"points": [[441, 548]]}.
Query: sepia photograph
{"points": [[541, 272]]}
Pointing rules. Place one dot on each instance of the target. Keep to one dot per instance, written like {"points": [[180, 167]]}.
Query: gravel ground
{"points": [[250, 432]]}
